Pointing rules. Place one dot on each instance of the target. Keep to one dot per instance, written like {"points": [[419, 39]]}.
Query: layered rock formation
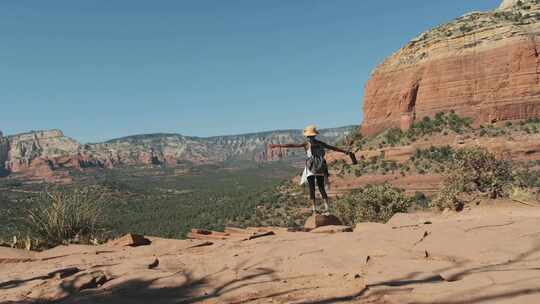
{"points": [[173, 148], [37, 155], [49, 155], [26, 147], [482, 65]]}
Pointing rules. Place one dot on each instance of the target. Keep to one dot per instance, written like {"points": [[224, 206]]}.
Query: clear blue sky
{"points": [[101, 69]]}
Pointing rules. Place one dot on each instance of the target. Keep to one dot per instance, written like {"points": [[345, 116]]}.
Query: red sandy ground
{"points": [[489, 254]]}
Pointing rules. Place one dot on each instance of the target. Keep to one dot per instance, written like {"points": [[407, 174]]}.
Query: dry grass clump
{"points": [[62, 216]]}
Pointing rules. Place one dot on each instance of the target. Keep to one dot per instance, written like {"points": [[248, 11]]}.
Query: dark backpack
{"points": [[316, 163]]}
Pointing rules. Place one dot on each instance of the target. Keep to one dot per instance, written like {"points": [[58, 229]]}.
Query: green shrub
{"points": [[393, 136], [474, 169], [527, 178], [374, 203], [441, 154], [448, 196], [441, 121], [421, 199], [432, 159], [64, 216]]}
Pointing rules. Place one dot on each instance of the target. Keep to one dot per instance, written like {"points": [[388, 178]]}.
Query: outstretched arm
{"points": [[329, 147]]}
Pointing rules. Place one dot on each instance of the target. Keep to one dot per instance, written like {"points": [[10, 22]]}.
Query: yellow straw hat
{"points": [[310, 130]]}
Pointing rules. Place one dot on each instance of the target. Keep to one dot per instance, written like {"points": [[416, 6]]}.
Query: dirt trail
{"points": [[484, 255]]}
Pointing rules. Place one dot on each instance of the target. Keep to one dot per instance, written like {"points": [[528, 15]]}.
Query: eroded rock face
{"points": [[27, 147], [483, 65]]}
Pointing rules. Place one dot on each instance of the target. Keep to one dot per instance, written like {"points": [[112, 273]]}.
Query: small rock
{"points": [[319, 220], [357, 276], [132, 240]]}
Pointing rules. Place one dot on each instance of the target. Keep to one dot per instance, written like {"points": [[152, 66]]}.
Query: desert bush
{"points": [[421, 200], [438, 154], [474, 169], [375, 203], [432, 159], [440, 122], [374, 164], [526, 177], [393, 136], [458, 124], [61, 216]]}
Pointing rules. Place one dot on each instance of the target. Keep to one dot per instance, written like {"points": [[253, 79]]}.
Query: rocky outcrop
{"points": [[481, 65], [485, 254], [27, 147], [509, 4]]}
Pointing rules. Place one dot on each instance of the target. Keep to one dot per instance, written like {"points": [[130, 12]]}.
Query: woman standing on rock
{"points": [[316, 169]]}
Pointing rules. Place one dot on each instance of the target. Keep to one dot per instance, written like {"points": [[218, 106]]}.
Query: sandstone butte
{"points": [[484, 65]]}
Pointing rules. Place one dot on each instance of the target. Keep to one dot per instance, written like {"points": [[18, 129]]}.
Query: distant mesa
{"points": [[49, 155]]}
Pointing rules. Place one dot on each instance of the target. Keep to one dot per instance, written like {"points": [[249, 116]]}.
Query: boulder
{"points": [[132, 240], [319, 220]]}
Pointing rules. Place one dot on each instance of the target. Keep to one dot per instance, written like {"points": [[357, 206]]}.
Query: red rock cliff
{"points": [[482, 65]]}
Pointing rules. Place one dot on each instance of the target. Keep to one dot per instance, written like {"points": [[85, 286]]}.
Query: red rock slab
{"points": [[132, 240], [13, 255]]}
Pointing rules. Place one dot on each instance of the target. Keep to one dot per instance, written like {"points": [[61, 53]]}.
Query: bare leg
{"points": [[326, 204], [311, 183]]}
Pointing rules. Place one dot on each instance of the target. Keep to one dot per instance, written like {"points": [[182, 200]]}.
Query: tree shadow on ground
{"points": [[190, 290], [209, 289], [376, 291], [60, 273]]}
